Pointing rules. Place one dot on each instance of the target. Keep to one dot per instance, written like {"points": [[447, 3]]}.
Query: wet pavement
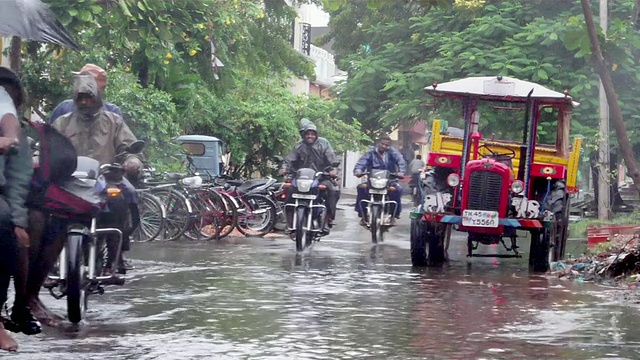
{"points": [[343, 299]]}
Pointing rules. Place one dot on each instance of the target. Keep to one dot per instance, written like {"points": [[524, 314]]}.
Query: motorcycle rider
{"points": [[96, 133], [382, 157], [15, 176], [316, 153], [68, 105]]}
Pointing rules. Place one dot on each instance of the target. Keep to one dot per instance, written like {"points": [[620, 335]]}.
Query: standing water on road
{"points": [[343, 299]]}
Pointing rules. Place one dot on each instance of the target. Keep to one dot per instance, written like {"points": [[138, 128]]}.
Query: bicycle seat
{"points": [[175, 176], [234, 182], [276, 186], [251, 184]]}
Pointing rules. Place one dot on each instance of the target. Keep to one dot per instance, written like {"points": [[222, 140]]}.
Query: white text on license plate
{"points": [[304, 196], [378, 191], [480, 218]]}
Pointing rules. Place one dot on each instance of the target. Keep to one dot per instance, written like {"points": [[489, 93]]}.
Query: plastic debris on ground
{"points": [[616, 261]]}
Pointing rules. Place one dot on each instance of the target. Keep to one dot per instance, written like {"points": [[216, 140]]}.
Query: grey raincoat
{"points": [[317, 156], [101, 134]]}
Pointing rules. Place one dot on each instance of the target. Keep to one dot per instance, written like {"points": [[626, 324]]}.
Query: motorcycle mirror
{"points": [[335, 163], [136, 147], [32, 142]]}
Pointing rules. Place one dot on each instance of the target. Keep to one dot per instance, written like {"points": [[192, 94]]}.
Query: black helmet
{"points": [[9, 77]]}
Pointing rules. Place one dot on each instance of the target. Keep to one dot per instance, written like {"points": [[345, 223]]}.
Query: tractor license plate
{"points": [[480, 218], [303, 196]]}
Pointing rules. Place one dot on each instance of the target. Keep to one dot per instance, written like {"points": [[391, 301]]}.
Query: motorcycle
{"points": [[309, 210], [380, 210], [90, 259]]}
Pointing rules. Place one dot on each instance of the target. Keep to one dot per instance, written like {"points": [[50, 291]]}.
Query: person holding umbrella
{"points": [[33, 20], [16, 170]]}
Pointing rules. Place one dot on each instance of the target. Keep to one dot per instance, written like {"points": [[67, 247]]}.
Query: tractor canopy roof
{"points": [[498, 88]]}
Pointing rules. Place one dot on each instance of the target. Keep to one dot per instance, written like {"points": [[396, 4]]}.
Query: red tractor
{"points": [[495, 189]]}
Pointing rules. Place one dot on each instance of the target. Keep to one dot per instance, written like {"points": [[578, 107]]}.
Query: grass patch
{"points": [[578, 229]]}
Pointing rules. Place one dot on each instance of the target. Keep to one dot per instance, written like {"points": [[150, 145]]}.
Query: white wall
{"points": [[6, 44], [299, 86], [326, 71], [313, 14], [349, 162]]}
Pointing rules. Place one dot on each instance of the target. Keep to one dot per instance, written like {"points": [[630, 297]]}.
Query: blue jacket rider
{"points": [[383, 157]]}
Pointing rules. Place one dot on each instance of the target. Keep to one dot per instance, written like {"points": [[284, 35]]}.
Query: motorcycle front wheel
{"points": [[376, 224], [76, 291], [301, 234]]}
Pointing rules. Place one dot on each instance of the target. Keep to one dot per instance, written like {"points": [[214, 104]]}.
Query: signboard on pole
{"points": [[305, 38]]}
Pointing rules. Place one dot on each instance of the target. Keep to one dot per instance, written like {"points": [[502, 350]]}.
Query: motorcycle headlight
{"points": [[379, 183], [304, 185]]}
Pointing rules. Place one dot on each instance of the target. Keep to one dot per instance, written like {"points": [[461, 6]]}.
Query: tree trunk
{"points": [[15, 55], [634, 16], [601, 67], [143, 72]]}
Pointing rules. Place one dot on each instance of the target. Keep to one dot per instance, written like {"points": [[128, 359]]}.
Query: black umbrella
{"points": [[33, 20]]}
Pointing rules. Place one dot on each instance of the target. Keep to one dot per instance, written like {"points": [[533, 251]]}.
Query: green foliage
{"points": [[341, 135], [158, 56], [409, 47], [150, 113]]}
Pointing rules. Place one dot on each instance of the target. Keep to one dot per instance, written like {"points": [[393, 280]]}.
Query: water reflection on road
{"points": [[344, 299]]}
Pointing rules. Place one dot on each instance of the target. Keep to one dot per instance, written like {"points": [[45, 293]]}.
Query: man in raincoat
{"points": [[69, 105], [316, 153], [98, 134], [94, 131]]}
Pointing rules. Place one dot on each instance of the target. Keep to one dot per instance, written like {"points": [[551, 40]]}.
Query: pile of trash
{"points": [[617, 261]]}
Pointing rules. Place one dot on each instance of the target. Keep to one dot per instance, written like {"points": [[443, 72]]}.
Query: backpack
{"points": [[53, 188], [58, 158]]}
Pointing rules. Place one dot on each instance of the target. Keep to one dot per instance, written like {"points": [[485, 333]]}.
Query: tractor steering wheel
{"points": [[508, 154]]}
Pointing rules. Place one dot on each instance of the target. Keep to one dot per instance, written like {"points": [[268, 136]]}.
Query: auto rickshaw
{"points": [[205, 154]]}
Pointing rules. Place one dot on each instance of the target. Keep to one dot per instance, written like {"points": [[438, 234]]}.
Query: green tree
{"points": [[531, 40], [158, 54]]}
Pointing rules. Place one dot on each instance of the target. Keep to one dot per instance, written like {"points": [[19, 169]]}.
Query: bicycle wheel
{"points": [[229, 216], [205, 222], [152, 217], [179, 212], [257, 216]]}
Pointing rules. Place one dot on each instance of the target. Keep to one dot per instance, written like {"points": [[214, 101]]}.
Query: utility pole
{"points": [[604, 181]]}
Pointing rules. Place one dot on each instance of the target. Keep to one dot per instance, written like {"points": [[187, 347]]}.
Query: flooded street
{"points": [[344, 299]]}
